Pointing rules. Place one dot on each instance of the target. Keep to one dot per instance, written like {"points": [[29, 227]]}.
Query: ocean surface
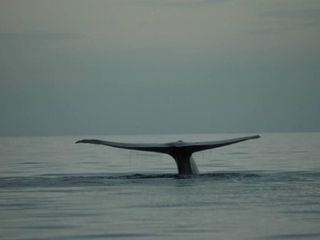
{"points": [[52, 188]]}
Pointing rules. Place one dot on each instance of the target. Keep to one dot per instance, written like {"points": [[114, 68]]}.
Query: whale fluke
{"points": [[180, 151]]}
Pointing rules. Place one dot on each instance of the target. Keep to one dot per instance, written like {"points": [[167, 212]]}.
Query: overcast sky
{"points": [[72, 67]]}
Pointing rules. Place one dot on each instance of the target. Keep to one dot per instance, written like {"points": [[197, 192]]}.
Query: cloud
{"points": [[40, 35], [291, 18], [180, 2], [38, 38]]}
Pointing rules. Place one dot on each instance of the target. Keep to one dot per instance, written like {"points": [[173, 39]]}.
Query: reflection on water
{"points": [[79, 180], [53, 189]]}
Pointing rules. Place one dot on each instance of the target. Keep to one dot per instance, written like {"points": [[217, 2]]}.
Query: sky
{"points": [[80, 67]]}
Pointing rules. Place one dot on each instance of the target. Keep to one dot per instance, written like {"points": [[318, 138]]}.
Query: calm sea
{"points": [[268, 188]]}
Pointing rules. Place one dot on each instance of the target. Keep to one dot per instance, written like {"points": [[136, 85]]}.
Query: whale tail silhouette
{"points": [[180, 151]]}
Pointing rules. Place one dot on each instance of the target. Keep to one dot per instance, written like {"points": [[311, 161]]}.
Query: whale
{"points": [[180, 151]]}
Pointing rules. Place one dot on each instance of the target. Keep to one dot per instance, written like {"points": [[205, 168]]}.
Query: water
{"points": [[51, 188]]}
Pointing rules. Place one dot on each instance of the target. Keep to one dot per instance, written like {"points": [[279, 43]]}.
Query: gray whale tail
{"points": [[180, 151]]}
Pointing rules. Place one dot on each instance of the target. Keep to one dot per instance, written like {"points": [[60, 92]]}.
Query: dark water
{"points": [[51, 188]]}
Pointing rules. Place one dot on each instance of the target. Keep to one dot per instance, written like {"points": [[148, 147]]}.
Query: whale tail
{"points": [[180, 151]]}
